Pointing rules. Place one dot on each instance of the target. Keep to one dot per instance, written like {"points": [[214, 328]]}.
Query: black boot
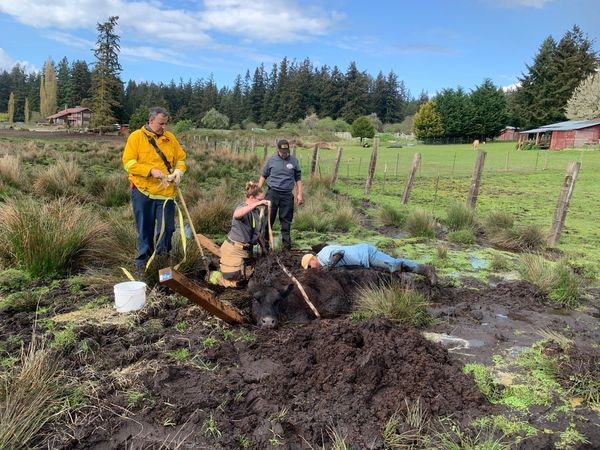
{"points": [[428, 272]]}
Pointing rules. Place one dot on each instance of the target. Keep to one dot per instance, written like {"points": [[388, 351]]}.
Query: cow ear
{"points": [[284, 292]]}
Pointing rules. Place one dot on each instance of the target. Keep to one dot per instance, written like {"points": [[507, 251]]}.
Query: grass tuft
{"points": [[48, 239], [30, 397], [388, 215], [393, 301], [420, 223], [460, 217]]}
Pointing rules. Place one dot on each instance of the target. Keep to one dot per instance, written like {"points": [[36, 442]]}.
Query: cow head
{"points": [[268, 302]]}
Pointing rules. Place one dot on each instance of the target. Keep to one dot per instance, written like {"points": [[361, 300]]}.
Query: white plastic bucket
{"points": [[130, 296]]}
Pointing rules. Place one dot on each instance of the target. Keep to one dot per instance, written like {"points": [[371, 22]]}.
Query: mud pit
{"points": [[153, 383]]}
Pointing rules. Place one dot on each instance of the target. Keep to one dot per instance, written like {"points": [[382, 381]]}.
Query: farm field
{"points": [[500, 364]]}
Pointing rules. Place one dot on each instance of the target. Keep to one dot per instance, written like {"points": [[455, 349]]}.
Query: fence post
{"points": [[253, 145], [384, 177], [294, 149], [476, 180], [336, 167], [453, 163], [314, 159], [562, 205], [372, 165], [397, 161], [411, 177], [265, 150]]}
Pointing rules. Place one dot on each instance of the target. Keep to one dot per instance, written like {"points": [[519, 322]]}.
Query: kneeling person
{"points": [[247, 226], [365, 255]]}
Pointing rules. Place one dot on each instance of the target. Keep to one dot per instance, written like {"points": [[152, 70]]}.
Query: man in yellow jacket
{"points": [[155, 162]]}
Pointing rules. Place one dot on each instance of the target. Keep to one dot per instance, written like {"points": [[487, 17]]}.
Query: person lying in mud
{"points": [[365, 255], [247, 228]]}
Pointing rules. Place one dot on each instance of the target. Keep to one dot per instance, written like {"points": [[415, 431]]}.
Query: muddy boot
{"points": [[428, 272]]}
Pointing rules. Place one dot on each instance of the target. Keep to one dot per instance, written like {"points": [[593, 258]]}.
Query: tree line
{"points": [[296, 90]]}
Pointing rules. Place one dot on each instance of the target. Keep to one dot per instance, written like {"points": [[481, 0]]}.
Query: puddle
{"points": [[477, 263], [452, 343]]}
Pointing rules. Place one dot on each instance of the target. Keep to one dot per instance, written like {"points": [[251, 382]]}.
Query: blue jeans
{"points": [[384, 261], [149, 215]]}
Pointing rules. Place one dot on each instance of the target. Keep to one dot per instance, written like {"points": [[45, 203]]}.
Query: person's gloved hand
{"points": [[175, 177]]}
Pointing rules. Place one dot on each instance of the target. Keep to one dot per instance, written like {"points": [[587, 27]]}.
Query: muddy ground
{"points": [[171, 376]]}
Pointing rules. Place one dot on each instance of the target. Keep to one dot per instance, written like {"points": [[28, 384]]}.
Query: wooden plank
{"points": [[198, 295], [209, 244]]}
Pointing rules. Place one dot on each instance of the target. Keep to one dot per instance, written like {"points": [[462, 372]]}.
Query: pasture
{"points": [[504, 354]]}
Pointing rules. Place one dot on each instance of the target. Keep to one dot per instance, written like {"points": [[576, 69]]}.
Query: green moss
{"points": [[507, 425]]}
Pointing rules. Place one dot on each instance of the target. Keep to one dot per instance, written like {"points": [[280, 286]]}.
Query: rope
{"points": [[300, 288]]}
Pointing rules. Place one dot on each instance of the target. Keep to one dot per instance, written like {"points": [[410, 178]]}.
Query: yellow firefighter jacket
{"points": [[140, 157]]}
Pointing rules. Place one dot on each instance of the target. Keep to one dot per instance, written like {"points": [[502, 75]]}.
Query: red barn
{"points": [[561, 135], [508, 134]]}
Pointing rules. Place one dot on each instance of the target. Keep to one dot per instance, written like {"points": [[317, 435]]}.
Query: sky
{"points": [[429, 44]]}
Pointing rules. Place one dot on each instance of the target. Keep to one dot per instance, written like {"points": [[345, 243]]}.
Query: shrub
{"points": [[420, 224], [182, 126], [498, 220], [393, 301], [390, 216], [522, 238], [12, 280], [10, 169], [30, 397], [463, 236], [557, 280], [460, 216], [60, 179], [52, 238]]}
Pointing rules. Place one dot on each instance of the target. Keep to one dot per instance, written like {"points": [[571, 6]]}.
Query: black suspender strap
{"points": [[160, 153]]}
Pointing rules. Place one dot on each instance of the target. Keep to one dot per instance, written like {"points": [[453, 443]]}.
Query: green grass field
{"points": [[525, 183]]}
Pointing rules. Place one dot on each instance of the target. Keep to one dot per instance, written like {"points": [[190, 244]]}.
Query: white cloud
{"points": [[148, 21], [269, 20], [7, 63]]}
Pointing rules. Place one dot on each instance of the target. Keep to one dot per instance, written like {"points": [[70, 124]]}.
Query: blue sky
{"points": [[429, 44]]}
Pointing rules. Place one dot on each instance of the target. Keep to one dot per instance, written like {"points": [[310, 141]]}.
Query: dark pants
{"points": [[282, 203], [149, 215]]}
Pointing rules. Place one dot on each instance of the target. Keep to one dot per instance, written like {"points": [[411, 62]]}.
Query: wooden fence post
{"points": [[562, 205], [314, 159], [476, 180], [253, 145], [294, 149], [397, 161], [336, 167], [266, 149], [416, 162], [372, 165]]}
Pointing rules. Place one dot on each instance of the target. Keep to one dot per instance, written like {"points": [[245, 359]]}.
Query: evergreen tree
{"points": [[332, 96], [63, 75], [457, 114], [5, 90], [356, 94], [257, 95], [80, 84], [106, 85], [19, 90], [362, 128], [428, 123], [48, 90], [489, 103], [585, 102], [551, 79]]}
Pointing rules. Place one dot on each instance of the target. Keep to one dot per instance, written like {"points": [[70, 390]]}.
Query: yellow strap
{"points": [[182, 234], [127, 274]]}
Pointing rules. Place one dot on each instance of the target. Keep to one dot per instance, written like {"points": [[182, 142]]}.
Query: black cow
{"points": [[276, 299]]}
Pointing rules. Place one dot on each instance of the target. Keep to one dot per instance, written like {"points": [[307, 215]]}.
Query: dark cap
{"points": [[283, 146]]}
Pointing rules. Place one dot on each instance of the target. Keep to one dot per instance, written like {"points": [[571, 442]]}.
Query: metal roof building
{"points": [[561, 135]]}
